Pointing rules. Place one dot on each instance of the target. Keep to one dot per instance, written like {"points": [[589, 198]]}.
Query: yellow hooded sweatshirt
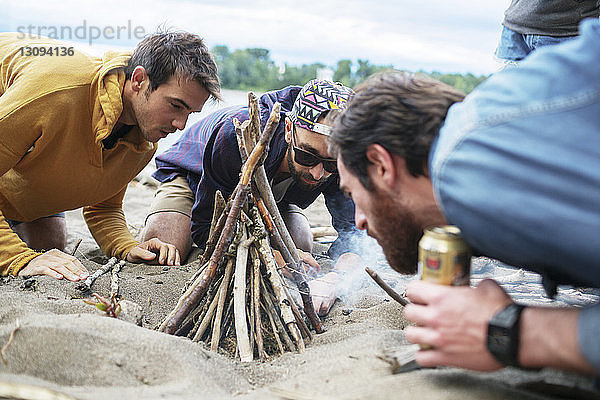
{"points": [[54, 112]]}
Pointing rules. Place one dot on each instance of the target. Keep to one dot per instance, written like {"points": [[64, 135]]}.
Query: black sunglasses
{"points": [[308, 159]]}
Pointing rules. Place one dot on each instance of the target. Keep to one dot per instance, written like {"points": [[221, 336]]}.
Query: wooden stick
{"points": [[285, 253], [205, 323], [229, 314], [212, 240], [76, 246], [222, 294], [274, 329], [218, 209], [100, 271], [253, 117], [287, 315], [280, 331], [191, 280], [256, 303], [286, 247], [393, 294], [114, 278], [239, 300], [189, 326], [190, 300], [299, 320], [320, 231], [239, 134]]}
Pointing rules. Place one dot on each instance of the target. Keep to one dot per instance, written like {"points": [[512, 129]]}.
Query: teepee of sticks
{"points": [[238, 300]]}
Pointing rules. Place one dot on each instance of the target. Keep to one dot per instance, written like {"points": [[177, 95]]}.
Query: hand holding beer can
{"points": [[444, 258]]}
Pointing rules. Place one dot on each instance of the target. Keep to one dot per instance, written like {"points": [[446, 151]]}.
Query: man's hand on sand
{"points": [[453, 320], [325, 290], [310, 264], [56, 264], [147, 251]]}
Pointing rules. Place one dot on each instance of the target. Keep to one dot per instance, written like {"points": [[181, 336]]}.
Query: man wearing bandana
{"points": [[206, 159]]}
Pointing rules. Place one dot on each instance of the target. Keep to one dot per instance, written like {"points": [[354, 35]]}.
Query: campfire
{"points": [[238, 300]]}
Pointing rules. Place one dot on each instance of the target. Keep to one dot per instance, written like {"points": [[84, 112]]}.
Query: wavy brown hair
{"points": [[403, 112], [182, 54]]}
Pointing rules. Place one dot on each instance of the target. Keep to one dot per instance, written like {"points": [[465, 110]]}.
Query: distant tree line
{"points": [[253, 69]]}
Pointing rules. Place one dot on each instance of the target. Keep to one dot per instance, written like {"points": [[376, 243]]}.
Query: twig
{"points": [[114, 278], [287, 314], [222, 294], [239, 300], [256, 303], [277, 238], [76, 246], [229, 313], [102, 270], [194, 277], [239, 128], [205, 322], [393, 294], [253, 117], [299, 320], [218, 210], [279, 331], [10, 340], [212, 240], [274, 329]]}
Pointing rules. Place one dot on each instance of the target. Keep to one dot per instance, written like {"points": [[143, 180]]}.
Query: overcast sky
{"points": [[435, 35]]}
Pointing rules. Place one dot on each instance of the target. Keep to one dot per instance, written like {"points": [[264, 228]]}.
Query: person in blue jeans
{"points": [[516, 166], [530, 24]]}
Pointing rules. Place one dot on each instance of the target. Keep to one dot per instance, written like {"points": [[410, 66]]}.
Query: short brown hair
{"points": [[403, 112], [165, 54]]}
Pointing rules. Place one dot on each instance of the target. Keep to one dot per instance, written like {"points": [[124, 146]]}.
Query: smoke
{"points": [[357, 284]]}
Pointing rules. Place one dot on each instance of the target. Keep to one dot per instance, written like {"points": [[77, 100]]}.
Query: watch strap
{"points": [[503, 334]]}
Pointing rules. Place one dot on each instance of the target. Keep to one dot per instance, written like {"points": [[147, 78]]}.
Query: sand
{"points": [[70, 348]]}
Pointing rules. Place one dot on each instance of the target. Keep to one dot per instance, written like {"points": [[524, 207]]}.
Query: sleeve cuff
{"points": [[21, 262], [588, 327]]}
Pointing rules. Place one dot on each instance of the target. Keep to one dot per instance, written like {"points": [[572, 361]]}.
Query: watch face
{"points": [[503, 335], [498, 338]]}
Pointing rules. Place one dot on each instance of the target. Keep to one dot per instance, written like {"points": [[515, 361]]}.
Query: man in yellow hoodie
{"points": [[75, 130]]}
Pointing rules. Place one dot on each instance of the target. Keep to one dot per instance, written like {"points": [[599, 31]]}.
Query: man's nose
{"points": [[317, 171], [359, 218], [180, 122]]}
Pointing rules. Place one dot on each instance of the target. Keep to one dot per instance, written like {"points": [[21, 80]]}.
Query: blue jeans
{"points": [[516, 167], [516, 46]]}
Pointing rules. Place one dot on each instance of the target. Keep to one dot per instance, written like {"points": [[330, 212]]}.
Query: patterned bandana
{"points": [[316, 97]]}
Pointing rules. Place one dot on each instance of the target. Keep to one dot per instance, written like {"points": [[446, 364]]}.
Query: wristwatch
{"points": [[503, 335]]}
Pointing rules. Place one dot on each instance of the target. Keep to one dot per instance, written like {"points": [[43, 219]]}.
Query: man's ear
{"points": [[139, 78], [383, 164]]}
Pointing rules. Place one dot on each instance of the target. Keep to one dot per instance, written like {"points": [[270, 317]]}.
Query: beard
{"points": [[299, 175], [397, 232]]}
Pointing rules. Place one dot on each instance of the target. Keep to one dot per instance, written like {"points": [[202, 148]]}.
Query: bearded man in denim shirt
{"points": [[516, 166]]}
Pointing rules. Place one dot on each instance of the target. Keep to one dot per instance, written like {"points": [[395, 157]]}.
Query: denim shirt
{"points": [[517, 167]]}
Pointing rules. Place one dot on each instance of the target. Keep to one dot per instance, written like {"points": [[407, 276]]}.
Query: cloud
{"points": [[450, 36]]}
